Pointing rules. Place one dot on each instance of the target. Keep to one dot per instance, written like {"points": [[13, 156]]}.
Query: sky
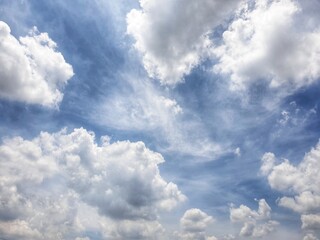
{"points": [[159, 120]]}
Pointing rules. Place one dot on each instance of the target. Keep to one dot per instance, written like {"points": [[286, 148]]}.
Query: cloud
{"points": [[143, 108], [266, 42], [194, 223], [310, 236], [256, 223], [18, 230], [302, 181], [311, 221], [67, 184], [268, 161], [229, 237], [173, 36], [32, 71]]}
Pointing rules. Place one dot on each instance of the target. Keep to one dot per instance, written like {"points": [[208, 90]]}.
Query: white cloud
{"points": [[268, 161], [229, 237], [310, 221], [267, 41], [255, 223], [173, 35], [194, 223], [143, 108], [32, 71], [302, 185], [140, 230], [310, 236], [66, 184], [18, 230], [302, 180], [304, 202], [244, 213]]}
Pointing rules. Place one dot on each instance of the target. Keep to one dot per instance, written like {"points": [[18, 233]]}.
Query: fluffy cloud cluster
{"points": [[61, 186], [32, 71], [266, 40], [194, 223], [255, 223], [310, 236], [173, 36], [301, 183]]}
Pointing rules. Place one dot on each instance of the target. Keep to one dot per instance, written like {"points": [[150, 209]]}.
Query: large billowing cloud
{"points": [[255, 223], [194, 223], [173, 36], [32, 71], [66, 185], [301, 183], [276, 41]]}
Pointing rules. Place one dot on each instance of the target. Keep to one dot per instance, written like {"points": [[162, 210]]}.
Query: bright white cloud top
{"points": [[267, 42], [194, 224], [255, 223], [302, 182], [32, 71], [173, 36], [55, 183]]}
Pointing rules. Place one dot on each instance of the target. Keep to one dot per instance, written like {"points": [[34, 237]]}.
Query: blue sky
{"points": [[159, 119]]}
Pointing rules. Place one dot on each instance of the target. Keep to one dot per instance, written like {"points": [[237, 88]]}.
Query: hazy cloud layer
{"points": [[32, 70], [142, 108]]}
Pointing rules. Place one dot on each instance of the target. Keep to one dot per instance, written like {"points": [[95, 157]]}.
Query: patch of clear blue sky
{"points": [[93, 41]]}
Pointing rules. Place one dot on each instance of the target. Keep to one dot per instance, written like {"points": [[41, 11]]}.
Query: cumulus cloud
{"points": [[301, 183], [173, 36], [266, 41], [310, 221], [32, 70], [301, 180], [194, 223], [60, 184], [255, 223], [310, 236], [18, 230]]}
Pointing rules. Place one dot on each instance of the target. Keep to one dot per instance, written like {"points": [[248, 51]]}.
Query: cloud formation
{"points": [[265, 42], [300, 182], [32, 70], [255, 223], [194, 223], [144, 109], [173, 36], [56, 182], [310, 236]]}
